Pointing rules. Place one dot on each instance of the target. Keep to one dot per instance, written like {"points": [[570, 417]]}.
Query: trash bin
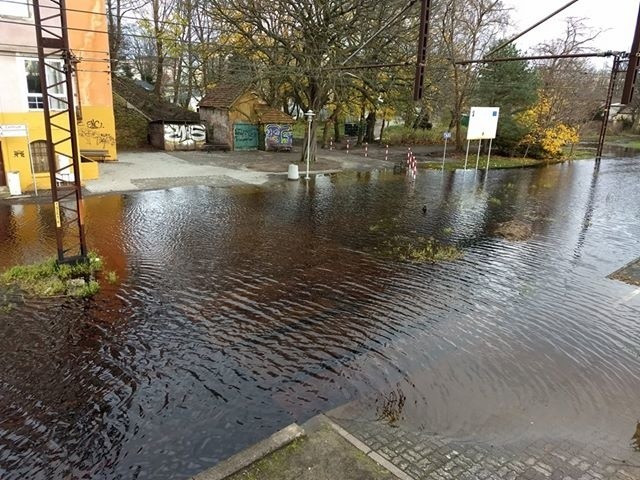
{"points": [[13, 182]]}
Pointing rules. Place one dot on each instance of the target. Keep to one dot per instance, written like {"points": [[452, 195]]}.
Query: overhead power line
{"points": [[535, 25], [76, 10]]}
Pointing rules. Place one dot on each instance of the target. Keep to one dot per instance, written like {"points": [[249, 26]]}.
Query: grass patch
{"points": [[50, 278], [514, 230], [419, 249], [400, 135], [457, 163], [111, 277]]}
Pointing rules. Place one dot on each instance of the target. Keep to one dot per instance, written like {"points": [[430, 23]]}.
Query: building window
{"points": [[39, 157], [55, 79], [13, 8]]}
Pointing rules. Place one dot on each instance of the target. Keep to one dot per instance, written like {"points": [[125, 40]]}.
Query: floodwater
{"points": [[241, 310]]}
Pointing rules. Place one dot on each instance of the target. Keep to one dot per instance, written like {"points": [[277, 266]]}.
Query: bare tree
{"points": [[573, 86], [302, 43], [464, 29]]}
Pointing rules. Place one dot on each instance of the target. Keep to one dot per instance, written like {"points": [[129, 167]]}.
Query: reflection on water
{"points": [[241, 310]]}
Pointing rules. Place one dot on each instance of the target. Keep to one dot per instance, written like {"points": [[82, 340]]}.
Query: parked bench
{"points": [[99, 155], [212, 147]]}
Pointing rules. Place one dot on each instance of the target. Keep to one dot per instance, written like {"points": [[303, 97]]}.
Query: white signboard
{"points": [[483, 123], [13, 131], [446, 135]]}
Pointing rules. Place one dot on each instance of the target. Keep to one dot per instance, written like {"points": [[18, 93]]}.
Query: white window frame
{"points": [[34, 99], [12, 9]]}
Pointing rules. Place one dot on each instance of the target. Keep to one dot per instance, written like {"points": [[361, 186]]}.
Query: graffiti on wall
{"points": [[94, 124], [92, 135], [278, 137], [184, 137], [96, 138]]}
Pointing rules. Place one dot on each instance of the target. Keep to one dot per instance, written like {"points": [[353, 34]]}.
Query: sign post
{"points": [[7, 131], [483, 125], [446, 136]]}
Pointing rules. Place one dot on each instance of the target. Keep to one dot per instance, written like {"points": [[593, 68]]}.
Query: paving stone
{"points": [[423, 455]]}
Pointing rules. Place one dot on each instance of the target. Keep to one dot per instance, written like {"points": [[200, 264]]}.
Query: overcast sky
{"points": [[617, 19]]}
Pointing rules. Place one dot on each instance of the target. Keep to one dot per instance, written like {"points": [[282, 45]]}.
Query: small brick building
{"points": [[238, 119]]}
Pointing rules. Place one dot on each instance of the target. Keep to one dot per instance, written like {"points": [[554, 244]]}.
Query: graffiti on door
{"points": [[278, 137]]}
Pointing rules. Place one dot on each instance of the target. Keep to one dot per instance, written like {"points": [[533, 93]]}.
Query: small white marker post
{"points": [[309, 116], [466, 157], [446, 136], [489, 154]]}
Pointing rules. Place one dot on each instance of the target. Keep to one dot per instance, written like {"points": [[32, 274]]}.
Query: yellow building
{"points": [[22, 129]]}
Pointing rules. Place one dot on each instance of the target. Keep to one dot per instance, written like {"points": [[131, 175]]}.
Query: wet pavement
{"points": [[241, 310], [422, 455]]}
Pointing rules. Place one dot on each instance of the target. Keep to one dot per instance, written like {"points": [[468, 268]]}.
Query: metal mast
{"points": [[60, 125], [423, 37]]}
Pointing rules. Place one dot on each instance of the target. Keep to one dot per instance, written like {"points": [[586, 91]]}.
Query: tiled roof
{"points": [[267, 114], [149, 104], [222, 95]]}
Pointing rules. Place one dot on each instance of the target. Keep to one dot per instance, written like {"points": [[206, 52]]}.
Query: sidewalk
{"points": [[347, 444], [154, 170], [319, 450]]}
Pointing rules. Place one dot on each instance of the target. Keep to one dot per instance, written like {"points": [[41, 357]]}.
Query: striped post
{"points": [[366, 149], [386, 154], [347, 146]]}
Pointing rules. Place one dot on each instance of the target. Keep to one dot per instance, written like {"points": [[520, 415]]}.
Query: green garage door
{"points": [[245, 136]]}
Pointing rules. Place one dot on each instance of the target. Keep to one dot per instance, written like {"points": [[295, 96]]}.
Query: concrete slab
{"points": [[252, 454], [156, 170], [324, 452], [629, 274]]}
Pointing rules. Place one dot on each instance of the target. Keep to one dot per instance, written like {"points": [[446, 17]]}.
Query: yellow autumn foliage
{"points": [[548, 135]]}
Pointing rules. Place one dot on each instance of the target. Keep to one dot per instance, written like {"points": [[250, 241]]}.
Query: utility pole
{"points": [[61, 130], [617, 62], [632, 69], [421, 61]]}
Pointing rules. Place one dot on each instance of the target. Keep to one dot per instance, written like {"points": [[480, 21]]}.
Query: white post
{"points": [[444, 154], [489, 154], [309, 116], [466, 158], [33, 170], [478, 157]]}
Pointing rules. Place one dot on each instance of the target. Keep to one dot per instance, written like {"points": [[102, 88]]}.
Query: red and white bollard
{"points": [[386, 154], [331, 144], [347, 146], [366, 149]]}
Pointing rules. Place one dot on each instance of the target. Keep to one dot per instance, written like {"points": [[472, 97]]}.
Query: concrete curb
{"points": [[246, 457], [373, 455]]}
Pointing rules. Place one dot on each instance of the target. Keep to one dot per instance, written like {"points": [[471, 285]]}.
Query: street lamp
{"points": [[309, 116]]}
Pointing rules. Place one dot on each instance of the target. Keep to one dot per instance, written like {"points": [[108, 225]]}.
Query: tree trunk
{"points": [[177, 82], [361, 125], [157, 88], [336, 127], [371, 125], [384, 124]]}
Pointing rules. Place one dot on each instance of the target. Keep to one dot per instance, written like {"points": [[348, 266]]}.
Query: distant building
{"points": [[22, 132], [153, 120], [240, 120]]}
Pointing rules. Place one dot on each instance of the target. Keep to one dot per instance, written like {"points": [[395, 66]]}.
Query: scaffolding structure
{"points": [[56, 67]]}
